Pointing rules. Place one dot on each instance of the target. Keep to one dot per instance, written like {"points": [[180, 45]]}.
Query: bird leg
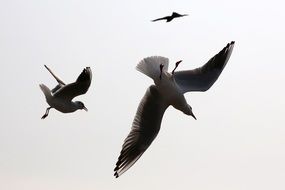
{"points": [[176, 65], [46, 114], [161, 67]]}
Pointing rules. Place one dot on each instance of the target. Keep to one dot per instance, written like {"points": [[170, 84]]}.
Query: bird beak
{"points": [[192, 114], [185, 15], [85, 109]]}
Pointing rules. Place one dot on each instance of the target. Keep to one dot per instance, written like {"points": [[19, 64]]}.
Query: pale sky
{"points": [[237, 142]]}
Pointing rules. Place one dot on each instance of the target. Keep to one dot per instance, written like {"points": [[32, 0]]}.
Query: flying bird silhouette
{"points": [[169, 18], [61, 96], [168, 90]]}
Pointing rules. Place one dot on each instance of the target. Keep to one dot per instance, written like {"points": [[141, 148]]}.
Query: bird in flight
{"points": [[168, 90], [61, 96], [169, 18]]}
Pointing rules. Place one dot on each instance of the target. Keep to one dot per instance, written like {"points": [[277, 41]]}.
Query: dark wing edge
{"points": [[60, 82], [85, 76], [145, 128], [163, 18], [79, 87], [202, 78]]}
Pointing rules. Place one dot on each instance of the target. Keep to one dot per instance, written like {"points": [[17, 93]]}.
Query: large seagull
{"points": [[168, 90]]}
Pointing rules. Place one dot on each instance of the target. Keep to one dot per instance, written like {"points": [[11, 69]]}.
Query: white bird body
{"points": [[168, 90], [59, 104], [172, 93], [165, 82]]}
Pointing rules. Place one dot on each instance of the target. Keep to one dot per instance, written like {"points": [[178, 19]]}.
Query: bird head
{"points": [[190, 112], [81, 105]]}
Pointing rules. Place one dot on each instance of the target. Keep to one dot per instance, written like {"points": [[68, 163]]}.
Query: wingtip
{"points": [[116, 173], [87, 70], [230, 45]]}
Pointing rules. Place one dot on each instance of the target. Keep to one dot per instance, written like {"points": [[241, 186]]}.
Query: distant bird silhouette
{"points": [[168, 90], [61, 96], [169, 18]]}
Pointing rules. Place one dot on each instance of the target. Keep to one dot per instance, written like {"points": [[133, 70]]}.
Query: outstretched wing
{"points": [[56, 78], [60, 82], [145, 128], [202, 78], [163, 18], [79, 87]]}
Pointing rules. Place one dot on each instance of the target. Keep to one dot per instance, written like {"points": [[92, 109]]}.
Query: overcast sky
{"points": [[237, 142]]}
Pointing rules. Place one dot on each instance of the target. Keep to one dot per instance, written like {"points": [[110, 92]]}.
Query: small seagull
{"points": [[169, 18], [61, 96], [168, 90]]}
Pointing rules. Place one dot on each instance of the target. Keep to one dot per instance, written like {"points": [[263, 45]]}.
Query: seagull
{"points": [[168, 90], [169, 18], [61, 96]]}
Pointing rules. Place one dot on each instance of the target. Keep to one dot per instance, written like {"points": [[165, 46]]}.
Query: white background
{"points": [[237, 143]]}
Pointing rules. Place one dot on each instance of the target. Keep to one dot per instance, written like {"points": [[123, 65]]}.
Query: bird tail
{"points": [[46, 91], [150, 66]]}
